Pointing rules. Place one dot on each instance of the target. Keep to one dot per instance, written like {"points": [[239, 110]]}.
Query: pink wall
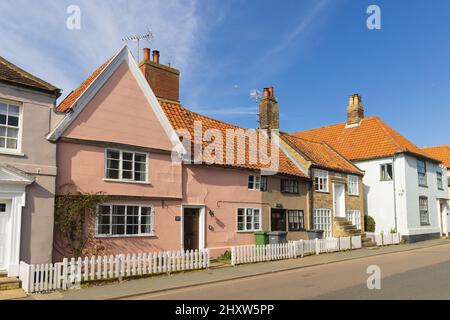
{"points": [[81, 168], [208, 186], [120, 113]]}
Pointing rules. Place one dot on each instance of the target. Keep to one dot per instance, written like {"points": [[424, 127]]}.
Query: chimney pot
{"points": [[146, 54], [271, 94], [355, 110], [156, 56], [266, 92]]}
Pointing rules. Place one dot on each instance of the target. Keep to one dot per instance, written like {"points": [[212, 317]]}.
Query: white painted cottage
{"points": [[406, 189]]}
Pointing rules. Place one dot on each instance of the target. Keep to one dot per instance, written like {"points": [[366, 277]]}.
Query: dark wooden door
{"points": [[278, 220], [191, 228]]}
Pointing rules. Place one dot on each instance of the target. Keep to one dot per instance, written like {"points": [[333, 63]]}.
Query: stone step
{"points": [[9, 283], [369, 244], [3, 274], [12, 294]]}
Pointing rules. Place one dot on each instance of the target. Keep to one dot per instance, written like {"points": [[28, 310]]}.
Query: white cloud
{"points": [[35, 36]]}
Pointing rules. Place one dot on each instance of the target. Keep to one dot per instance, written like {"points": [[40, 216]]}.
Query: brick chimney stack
{"points": [[269, 113], [355, 110], [164, 80]]}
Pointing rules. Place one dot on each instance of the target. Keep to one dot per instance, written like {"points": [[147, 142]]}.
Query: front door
{"points": [[278, 220], [339, 200], [5, 235], [191, 227]]}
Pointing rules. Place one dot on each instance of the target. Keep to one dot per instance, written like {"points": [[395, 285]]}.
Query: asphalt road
{"points": [[417, 274]]}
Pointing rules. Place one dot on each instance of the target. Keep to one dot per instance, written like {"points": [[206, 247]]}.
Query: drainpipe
{"points": [[395, 191]]}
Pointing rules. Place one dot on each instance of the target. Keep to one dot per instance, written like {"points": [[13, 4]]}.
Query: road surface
{"points": [[416, 274]]}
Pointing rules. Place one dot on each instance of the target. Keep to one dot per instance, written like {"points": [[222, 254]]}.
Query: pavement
{"points": [[333, 272]]}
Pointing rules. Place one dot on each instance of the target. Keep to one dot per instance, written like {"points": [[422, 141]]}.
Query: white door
{"points": [[339, 200], [5, 235], [443, 213]]}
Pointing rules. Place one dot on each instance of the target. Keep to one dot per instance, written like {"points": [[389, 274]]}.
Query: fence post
{"points": [[316, 241]]}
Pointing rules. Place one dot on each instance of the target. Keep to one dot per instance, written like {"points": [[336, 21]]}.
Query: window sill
{"points": [[125, 236], [423, 185], [126, 181], [353, 195], [248, 231], [12, 153], [322, 191]]}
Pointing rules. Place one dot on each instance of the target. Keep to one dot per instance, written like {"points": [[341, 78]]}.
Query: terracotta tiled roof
{"points": [[321, 154], [373, 138], [182, 118], [12, 74], [72, 97], [439, 152]]}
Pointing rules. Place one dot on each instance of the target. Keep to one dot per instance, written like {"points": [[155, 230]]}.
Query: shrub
{"points": [[369, 224], [225, 256]]}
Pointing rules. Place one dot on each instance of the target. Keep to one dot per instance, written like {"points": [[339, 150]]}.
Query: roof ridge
{"points": [[209, 118], [301, 138]]}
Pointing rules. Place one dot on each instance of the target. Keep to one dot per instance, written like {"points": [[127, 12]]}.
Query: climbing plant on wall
{"points": [[75, 223]]}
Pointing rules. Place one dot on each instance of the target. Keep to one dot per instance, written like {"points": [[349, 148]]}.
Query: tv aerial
{"points": [[147, 36]]}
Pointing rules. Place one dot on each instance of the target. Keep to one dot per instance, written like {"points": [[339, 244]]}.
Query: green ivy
{"points": [[369, 224], [72, 212]]}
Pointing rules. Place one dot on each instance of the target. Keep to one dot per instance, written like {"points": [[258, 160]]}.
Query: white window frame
{"points": [[384, 171], [354, 216], [139, 234], [121, 179], [18, 150], [422, 174], [323, 180], [440, 181], [256, 182], [423, 212], [246, 210], [353, 185], [322, 221]]}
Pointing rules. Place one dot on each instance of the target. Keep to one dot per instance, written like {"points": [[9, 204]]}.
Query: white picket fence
{"points": [[291, 250], [384, 239], [71, 273]]}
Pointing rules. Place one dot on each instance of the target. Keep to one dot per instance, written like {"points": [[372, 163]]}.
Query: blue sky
{"points": [[314, 52]]}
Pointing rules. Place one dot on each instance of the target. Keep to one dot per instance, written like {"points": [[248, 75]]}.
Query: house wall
{"points": [[222, 191], [120, 116], [37, 158], [380, 200], [82, 169], [379, 195], [273, 197], [325, 200], [412, 193]]}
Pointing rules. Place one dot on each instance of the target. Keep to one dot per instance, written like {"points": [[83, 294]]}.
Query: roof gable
{"points": [[372, 138], [91, 89]]}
